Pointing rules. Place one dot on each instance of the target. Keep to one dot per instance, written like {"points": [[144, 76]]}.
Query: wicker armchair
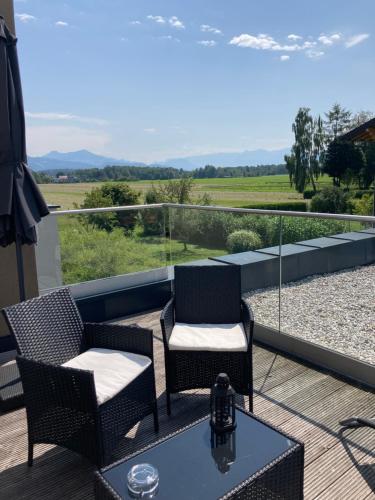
{"points": [[208, 297], [74, 407]]}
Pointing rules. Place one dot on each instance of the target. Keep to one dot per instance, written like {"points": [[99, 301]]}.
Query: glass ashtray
{"points": [[143, 481]]}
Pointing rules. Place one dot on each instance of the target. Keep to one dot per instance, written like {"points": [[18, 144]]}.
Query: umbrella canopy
{"points": [[21, 203]]}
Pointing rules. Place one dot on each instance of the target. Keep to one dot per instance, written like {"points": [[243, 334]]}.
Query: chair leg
{"points": [[168, 403], [156, 418], [30, 455], [251, 409]]}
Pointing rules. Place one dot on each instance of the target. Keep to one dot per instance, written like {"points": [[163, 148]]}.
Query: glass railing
{"points": [[311, 276]]}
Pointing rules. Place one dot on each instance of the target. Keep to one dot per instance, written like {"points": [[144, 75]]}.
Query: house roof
{"points": [[365, 132]]}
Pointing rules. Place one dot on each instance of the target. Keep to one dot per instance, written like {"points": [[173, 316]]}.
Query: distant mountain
{"points": [[241, 158], [82, 159]]}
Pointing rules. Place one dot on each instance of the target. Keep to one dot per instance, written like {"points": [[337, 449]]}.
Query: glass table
{"points": [[255, 461]]}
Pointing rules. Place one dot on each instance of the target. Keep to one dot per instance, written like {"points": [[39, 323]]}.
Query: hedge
{"points": [[296, 206]]}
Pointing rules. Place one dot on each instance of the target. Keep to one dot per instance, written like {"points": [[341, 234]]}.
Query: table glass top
{"points": [[195, 465]]}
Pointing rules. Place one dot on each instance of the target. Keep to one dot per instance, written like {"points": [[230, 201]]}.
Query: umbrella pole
{"points": [[20, 269]]}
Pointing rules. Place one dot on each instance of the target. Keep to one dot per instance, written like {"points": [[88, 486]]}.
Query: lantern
{"points": [[223, 449], [223, 417]]}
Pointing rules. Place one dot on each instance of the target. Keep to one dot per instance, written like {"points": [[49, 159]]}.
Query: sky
{"points": [[150, 80]]}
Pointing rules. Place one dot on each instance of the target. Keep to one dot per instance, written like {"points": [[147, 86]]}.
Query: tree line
{"points": [[126, 173]]}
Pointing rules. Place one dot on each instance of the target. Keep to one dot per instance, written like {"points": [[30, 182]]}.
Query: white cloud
{"points": [[135, 23], [61, 23], [25, 18], [64, 138], [294, 38], [157, 19], [150, 130], [170, 37], [65, 117], [206, 28], [176, 23], [329, 39], [207, 43], [309, 45], [314, 54], [356, 39], [284, 58], [262, 42]]}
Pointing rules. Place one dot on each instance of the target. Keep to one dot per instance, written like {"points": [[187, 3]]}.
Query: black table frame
{"points": [[268, 479]]}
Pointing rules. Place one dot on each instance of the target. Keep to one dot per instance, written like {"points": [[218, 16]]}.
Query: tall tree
{"points": [[338, 121], [304, 163], [344, 162]]}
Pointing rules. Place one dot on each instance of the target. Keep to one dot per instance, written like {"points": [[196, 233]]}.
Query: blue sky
{"points": [[150, 80]]}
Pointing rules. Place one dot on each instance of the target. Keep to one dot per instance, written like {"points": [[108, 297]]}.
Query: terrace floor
{"points": [[302, 401]]}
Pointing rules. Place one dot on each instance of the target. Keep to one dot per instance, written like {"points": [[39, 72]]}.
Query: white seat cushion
{"points": [[113, 370], [208, 337]]}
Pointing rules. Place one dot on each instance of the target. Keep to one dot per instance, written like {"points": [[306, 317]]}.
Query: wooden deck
{"points": [[302, 401]]}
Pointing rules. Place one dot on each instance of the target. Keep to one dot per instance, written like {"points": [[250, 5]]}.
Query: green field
{"points": [[230, 192]]}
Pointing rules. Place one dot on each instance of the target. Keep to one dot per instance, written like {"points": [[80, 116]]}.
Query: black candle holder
{"points": [[223, 405]]}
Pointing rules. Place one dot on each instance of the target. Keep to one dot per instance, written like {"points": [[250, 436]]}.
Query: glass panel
{"points": [[327, 293], [103, 245], [214, 236]]}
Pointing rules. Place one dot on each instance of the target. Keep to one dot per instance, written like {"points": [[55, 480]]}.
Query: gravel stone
{"points": [[334, 310]]}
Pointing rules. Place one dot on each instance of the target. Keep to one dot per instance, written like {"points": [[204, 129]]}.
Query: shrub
{"points": [[331, 199], [298, 206], [242, 241], [364, 206], [360, 193], [308, 194]]}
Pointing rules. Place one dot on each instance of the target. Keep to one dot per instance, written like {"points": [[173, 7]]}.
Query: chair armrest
{"points": [[167, 321], [247, 317], [128, 338], [46, 386]]}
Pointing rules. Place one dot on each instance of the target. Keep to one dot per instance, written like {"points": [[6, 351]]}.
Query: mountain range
{"points": [[84, 159]]}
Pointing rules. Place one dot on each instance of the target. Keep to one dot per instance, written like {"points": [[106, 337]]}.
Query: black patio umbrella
{"points": [[21, 203]]}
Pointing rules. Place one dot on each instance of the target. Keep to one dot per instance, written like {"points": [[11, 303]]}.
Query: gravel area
{"points": [[334, 310]]}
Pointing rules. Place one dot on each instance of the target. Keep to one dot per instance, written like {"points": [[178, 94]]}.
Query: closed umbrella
{"points": [[21, 203]]}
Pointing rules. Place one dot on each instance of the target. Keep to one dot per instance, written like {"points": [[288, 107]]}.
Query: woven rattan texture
{"points": [[208, 294], [61, 403], [47, 328], [198, 369]]}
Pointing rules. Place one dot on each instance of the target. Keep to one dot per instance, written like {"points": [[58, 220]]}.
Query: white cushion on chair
{"points": [[208, 337], [113, 370]]}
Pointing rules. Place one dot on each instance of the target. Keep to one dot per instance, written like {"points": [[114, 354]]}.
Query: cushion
{"points": [[113, 370], [208, 337]]}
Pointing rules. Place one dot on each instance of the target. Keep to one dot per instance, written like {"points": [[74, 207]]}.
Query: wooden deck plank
{"points": [[356, 446], [305, 402]]}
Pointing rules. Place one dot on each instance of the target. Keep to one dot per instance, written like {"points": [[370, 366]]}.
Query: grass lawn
{"points": [[88, 253], [230, 192]]}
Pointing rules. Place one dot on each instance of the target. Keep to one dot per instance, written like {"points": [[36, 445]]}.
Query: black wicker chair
{"points": [[62, 402], [207, 295]]}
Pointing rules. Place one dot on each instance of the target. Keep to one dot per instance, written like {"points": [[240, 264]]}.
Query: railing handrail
{"points": [[257, 211]]}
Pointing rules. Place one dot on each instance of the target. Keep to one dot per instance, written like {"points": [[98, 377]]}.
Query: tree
{"points": [[338, 121], [343, 162], [360, 118], [304, 163], [41, 177], [110, 195]]}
